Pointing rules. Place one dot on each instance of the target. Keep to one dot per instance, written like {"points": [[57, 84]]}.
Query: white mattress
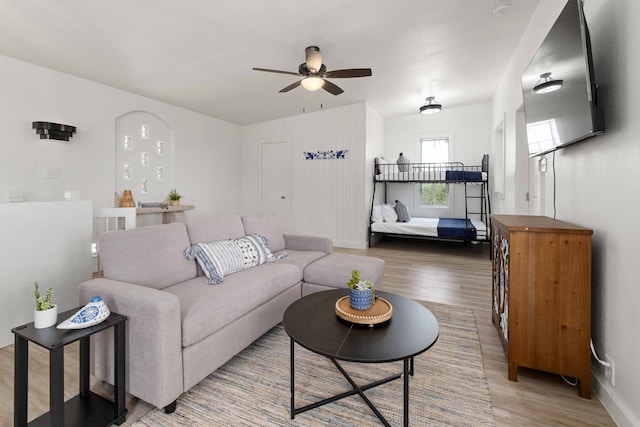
{"points": [[422, 227]]}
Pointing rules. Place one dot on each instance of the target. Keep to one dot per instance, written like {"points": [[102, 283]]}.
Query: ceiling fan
{"points": [[315, 73]]}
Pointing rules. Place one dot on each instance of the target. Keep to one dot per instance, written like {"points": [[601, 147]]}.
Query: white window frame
{"points": [[433, 211]]}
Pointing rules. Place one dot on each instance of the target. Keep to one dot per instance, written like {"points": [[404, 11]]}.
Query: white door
{"points": [[275, 181]]}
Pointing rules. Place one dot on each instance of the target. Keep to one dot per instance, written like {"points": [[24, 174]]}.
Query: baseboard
{"points": [[350, 245], [618, 412]]}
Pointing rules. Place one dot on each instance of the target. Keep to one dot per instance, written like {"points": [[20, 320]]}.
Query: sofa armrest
{"points": [[308, 243], [154, 339]]}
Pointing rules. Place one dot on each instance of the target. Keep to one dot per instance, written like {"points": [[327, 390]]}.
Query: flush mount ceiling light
{"points": [[546, 84], [312, 83], [431, 106], [501, 7]]}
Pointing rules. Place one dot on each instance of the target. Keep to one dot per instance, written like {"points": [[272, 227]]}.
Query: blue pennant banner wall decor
{"points": [[324, 155]]}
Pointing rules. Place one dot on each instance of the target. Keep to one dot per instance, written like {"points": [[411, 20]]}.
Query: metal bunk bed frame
{"points": [[449, 173]]}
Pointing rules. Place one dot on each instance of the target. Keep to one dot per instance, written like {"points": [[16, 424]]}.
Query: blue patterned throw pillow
{"points": [[223, 257]]}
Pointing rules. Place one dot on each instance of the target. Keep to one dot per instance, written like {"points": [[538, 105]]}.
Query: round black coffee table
{"points": [[312, 323]]}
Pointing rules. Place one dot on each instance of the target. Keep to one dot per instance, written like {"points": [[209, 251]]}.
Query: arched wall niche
{"points": [[145, 159]]}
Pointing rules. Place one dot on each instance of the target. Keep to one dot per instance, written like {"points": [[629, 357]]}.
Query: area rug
{"points": [[449, 387]]}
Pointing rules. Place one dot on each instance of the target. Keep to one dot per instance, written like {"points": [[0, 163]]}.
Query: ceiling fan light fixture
{"points": [[313, 58], [312, 83], [431, 106], [501, 7], [546, 84]]}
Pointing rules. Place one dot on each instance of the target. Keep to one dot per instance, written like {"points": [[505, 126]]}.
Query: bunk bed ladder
{"points": [[482, 202]]}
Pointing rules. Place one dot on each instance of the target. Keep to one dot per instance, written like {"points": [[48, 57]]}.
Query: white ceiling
{"points": [[199, 54]]}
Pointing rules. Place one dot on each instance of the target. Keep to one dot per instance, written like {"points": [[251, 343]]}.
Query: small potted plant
{"points": [[361, 292], [46, 313], [174, 198]]}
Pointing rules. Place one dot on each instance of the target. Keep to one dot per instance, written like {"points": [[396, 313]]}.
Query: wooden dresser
{"points": [[542, 295]]}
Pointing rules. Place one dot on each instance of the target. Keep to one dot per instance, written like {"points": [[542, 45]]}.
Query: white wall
{"points": [[328, 197], [375, 128], [204, 146], [470, 131], [44, 242], [207, 170], [597, 182]]}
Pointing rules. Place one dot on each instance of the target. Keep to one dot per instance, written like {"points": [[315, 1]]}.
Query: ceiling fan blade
{"points": [[331, 88], [268, 70], [351, 72], [291, 86]]}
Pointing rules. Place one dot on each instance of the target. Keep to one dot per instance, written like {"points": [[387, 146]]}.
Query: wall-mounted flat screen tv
{"points": [[559, 88]]}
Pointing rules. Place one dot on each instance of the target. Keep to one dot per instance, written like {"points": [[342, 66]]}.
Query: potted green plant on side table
{"points": [[45, 313]]}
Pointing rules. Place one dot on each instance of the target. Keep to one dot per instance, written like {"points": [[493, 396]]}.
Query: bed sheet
{"points": [[427, 227]]}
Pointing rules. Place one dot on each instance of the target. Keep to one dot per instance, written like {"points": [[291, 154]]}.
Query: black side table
{"points": [[87, 408]]}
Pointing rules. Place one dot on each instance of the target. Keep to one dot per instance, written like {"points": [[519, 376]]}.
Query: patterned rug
{"points": [[449, 387]]}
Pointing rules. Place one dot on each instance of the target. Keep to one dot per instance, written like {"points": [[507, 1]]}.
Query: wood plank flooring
{"points": [[452, 273], [445, 272]]}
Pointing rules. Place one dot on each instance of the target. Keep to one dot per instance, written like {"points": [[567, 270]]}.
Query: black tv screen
{"points": [[557, 118]]}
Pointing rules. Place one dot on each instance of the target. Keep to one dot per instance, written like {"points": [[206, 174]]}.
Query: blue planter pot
{"points": [[360, 299]]}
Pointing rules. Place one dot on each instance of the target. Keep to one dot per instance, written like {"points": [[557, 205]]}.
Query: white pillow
{"points": [[389, 213], [387, 166], [229, 256], [376, 214]]}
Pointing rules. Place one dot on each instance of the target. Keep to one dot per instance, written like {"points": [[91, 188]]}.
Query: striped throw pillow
{"points": [[223, 257]]}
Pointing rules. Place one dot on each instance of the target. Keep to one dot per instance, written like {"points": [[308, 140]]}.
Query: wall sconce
{"points": [[57, 131]]}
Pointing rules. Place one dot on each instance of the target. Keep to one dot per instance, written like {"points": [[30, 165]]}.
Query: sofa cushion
{"points": [[214, 229], [267, 226], [207, 309], [223, 257], [335, 269], [299, 258], [147, 256]]}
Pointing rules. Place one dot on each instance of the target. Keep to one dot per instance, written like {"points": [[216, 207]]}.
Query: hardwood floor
{"points": [[451, 273], [444, 272]]}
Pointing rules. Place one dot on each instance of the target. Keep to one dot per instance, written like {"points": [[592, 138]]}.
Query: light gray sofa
{"points": [[181, 329]]}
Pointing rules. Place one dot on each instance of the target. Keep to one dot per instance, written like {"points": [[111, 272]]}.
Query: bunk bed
{"points": [[474, 227]]}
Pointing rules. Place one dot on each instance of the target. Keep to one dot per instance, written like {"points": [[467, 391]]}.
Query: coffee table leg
{"points": [[406, 389], [291, 364]]}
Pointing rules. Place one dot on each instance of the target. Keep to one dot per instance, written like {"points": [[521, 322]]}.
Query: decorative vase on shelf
{"points": [[127, 200], [174, 202], [360, 299], [45, 318]]}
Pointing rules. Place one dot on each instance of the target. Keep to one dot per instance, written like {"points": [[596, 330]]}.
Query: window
{"points": [[542, 135], [434, 150]]}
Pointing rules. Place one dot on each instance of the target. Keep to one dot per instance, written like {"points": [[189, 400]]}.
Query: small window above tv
{"points": [[559, 88]]}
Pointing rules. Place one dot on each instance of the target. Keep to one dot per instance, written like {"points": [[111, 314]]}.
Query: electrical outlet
{"points": [[53, 173], [610, 372]]}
